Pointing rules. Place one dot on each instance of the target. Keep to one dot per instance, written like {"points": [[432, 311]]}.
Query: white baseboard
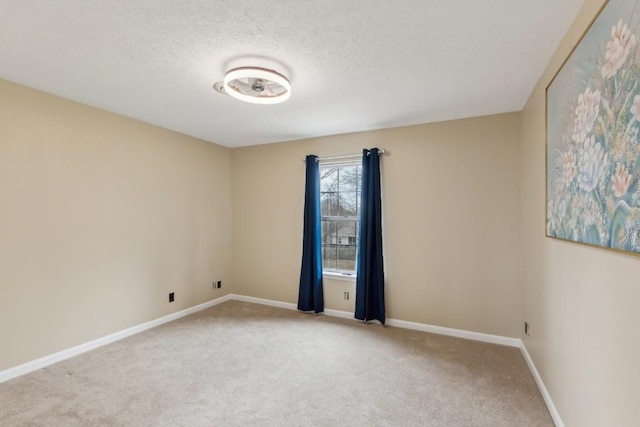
{"points": [[543, 389], [288, 305], [476, 336], [458, 333], [42, 362], [339, 313], [269, 302]]}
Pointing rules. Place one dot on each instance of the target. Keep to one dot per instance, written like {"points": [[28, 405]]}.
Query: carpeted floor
{"points": [[241, 364]]}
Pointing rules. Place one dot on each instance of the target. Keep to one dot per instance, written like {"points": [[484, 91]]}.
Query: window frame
{"points": [[336, 273]]}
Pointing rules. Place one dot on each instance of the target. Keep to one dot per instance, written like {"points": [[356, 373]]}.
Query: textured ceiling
{"points": [[354, 65]]}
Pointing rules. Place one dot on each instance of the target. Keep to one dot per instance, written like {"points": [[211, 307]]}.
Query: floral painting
{"points": [[593, 146]]}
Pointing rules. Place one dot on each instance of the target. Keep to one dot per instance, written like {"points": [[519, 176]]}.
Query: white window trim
{"points": [[340, 160], [334, 275]]}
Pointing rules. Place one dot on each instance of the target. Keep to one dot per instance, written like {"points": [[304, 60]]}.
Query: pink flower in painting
{"points": [[621, 181], [635, 108], [618, 49], [569, 167], [586, 114]]}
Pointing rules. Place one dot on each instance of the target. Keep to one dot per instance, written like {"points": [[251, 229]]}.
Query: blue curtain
{"points": [[310, 296], [370, 270]]}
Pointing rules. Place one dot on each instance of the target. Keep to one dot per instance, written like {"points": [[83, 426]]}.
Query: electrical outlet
{"points": [[171, 297], [346, 295], [214, 285], [527, 329]]}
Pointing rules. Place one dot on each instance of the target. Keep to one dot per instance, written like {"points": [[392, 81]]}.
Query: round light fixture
{"points": [[257, 85]]}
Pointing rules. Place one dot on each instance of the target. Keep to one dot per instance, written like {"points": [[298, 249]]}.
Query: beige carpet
{"points": [[240, 364]]}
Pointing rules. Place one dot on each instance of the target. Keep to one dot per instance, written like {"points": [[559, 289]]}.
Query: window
{"points": [[340, 210]]}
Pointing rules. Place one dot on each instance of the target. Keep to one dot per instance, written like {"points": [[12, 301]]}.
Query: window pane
{"points": [[346, 232], [348, 178], [328, 179], [329, 256], [348, 203], [346, 258], [329, 235], [329, 204]]}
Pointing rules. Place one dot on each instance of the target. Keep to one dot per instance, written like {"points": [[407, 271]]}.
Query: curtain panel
{"points": [[310, 295], [370, 269]]}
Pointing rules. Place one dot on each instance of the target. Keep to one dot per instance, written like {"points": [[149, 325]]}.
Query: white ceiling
{"points": [[353, 64]]}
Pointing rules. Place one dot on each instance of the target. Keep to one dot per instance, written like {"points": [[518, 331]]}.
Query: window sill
{"points": [[339, 276]]}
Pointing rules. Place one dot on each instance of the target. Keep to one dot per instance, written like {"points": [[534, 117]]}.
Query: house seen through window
{"points": [[340, 210]]}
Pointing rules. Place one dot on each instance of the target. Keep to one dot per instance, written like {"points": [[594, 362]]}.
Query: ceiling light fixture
{"points": [[256, 85]]}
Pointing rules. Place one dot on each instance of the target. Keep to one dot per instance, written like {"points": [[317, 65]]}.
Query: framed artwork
{"points": [[593, 145]]}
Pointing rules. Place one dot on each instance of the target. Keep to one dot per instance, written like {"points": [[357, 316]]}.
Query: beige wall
{"points": [[451, 215], [582, 302], [100, 218]]}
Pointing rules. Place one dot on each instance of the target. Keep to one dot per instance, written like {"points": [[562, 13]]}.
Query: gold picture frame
{"points": [[593, 135]]}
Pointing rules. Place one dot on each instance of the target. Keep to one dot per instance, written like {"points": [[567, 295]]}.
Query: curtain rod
{"points": [[346, 156]]}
